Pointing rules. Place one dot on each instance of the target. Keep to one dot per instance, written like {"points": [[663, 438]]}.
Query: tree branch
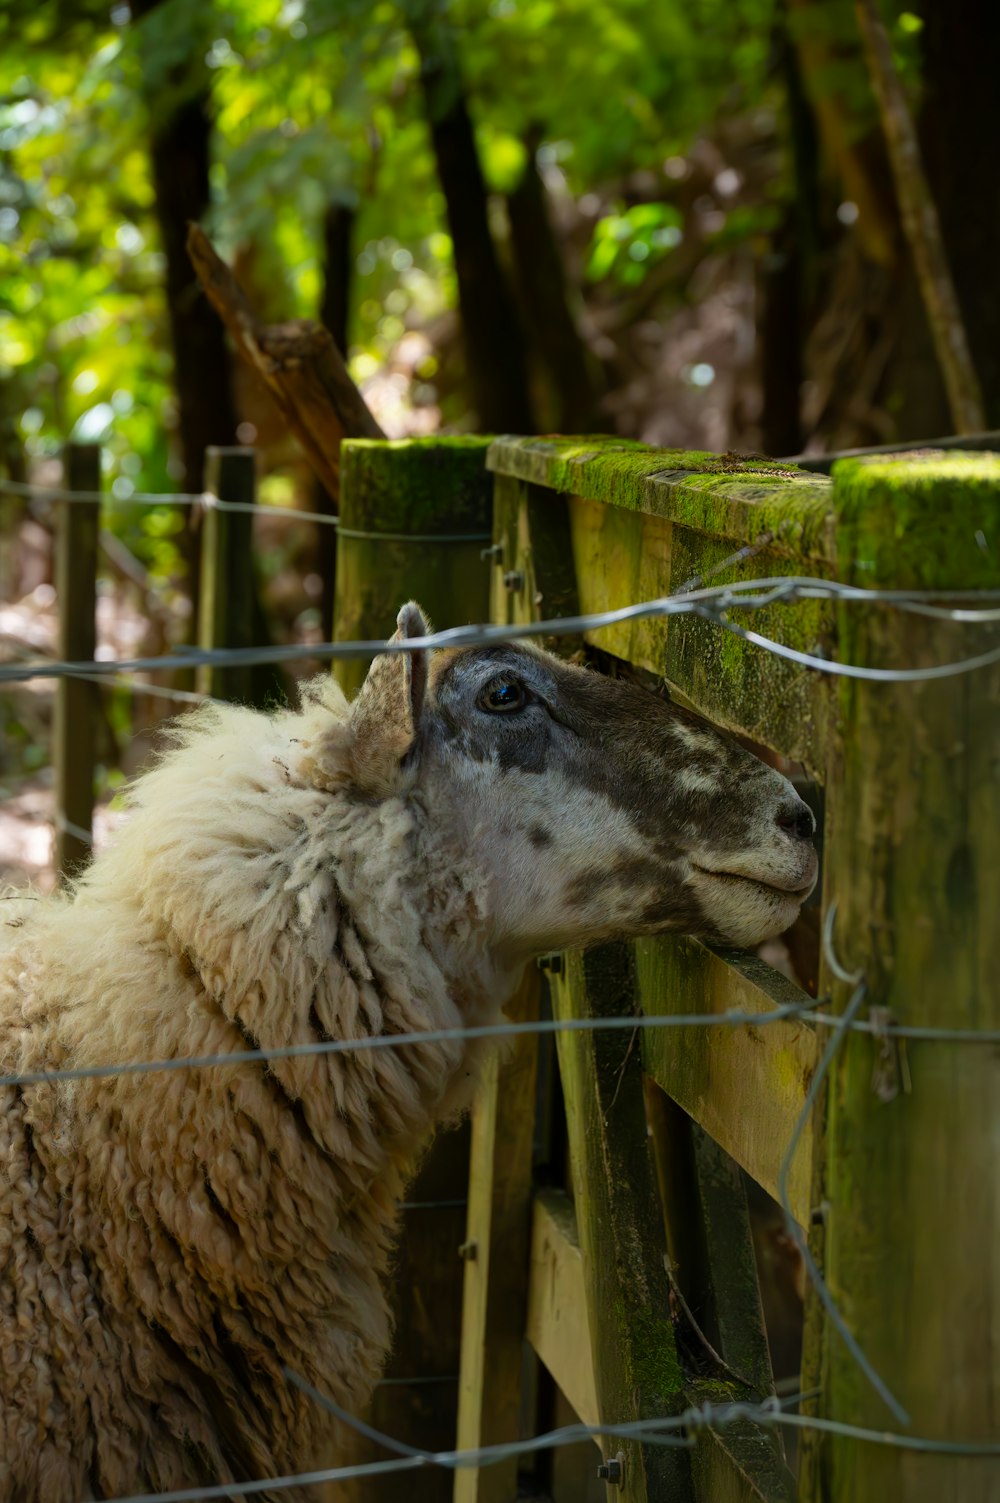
{"points": [[299, 363], [922, 227]]}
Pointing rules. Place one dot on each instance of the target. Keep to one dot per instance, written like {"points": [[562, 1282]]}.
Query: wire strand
{"points": [[752, 595]]}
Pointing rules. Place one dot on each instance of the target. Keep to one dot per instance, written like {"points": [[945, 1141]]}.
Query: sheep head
{"points": [[593, 807]]}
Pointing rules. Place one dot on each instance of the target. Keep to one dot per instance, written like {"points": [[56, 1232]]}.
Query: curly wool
{"points": [[168, 1241]]}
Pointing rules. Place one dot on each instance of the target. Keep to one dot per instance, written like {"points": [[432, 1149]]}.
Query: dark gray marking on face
{"points": [[611, 737], [540, 837]]}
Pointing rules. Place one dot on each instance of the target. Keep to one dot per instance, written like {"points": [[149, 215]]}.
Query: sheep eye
{"points": [[501, 696]]}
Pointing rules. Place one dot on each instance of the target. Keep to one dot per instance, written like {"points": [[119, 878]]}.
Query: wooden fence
{"points": [[606, 1181], [896, 1180]]}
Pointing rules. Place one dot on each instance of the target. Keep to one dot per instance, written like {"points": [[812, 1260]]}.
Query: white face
{"points": [[597, 809]]}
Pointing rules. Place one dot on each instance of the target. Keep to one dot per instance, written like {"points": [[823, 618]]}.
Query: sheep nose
{"points": [[797, 818]]}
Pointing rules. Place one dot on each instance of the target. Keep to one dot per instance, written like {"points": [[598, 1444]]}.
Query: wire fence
{"points": [[711, 603], [22, 490]]}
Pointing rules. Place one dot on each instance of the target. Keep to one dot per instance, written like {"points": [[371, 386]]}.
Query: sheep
{"points": [[170, 1240]]}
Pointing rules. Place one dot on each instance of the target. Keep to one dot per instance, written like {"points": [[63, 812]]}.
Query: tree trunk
{"points": [[959, 132], [180, 154], [541, 277], [494, 349], [180, 137], [788, 272], [334, 312]]}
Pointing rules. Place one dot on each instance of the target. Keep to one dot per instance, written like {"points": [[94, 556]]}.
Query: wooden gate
{"points": [[894, 1179]]}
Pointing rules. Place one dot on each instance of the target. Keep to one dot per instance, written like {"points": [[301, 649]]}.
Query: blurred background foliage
{"points": [[669, 218]]}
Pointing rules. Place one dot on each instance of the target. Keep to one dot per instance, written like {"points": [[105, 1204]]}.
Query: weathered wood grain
{"points": [[723, 495], [625, 556], [495, 1291], [744, 1085], [557, 1323], [911, 1235]]}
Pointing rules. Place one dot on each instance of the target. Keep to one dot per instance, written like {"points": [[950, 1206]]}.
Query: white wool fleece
{"points": [[169, 1240]]}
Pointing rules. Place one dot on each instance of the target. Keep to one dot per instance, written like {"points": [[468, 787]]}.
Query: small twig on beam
{"points": [[299, 363], [922, 227]]}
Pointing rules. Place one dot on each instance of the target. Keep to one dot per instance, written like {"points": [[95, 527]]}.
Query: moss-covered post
{"points": [[74, 727], [415, 516], [226, 598], [913, 838]]}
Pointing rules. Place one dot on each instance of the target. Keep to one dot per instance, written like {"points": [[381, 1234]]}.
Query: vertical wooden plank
{"points": [[76, 701], [711, 1249], [628, 1295], [225, 607], [913, 1221], [495, 1295], [390, 490]]}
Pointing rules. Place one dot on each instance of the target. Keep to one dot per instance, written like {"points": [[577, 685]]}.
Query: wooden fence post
{"points": [[76, 701], [912, 1191], [226, 615], [422, 487]]}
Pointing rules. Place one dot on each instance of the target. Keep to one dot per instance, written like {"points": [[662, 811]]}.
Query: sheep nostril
{"points": [[798, 820]]}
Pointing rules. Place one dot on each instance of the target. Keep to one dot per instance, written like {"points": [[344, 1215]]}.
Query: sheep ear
{"points": [[385, 717]]}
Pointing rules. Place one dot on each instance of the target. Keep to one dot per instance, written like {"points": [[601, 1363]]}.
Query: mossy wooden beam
{"points": [[728, 495], [911, 1141], [647, 522], [623, 556], [390, 492], [745, 1086]]}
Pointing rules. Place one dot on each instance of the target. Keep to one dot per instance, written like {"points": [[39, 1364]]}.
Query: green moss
{"points": [[772, 701], [931, 521], [651, 1355], [730, 495], [416, 484], [716, 1391]]}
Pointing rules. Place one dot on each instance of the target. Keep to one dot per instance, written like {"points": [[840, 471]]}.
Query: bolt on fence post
{"points": [[74, 727], [225, 613]]}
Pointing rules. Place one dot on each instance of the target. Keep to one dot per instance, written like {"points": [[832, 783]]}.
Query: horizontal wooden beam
{"points": [[623, 557], [746, 1084], [737, 496], [739, 1463]]}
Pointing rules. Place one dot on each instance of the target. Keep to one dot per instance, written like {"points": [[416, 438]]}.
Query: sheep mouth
{"points": [[786, 892]]}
